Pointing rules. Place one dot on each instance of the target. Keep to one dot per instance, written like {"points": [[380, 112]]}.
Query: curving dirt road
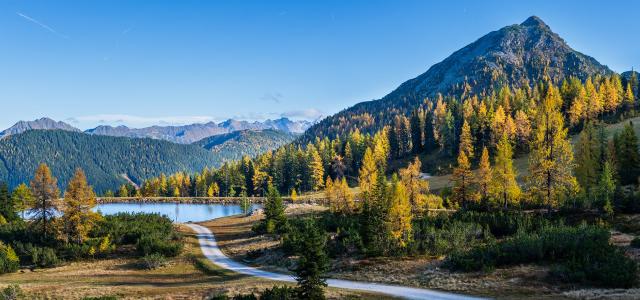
{"points": [[211, 250]]}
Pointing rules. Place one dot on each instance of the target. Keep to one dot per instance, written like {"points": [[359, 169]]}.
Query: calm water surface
{"points": [[181, 213]]}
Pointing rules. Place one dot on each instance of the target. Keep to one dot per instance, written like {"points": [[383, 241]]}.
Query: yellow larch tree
{"points": [[79, 200], [317, 169], [594, 103], [45, 192], [463, 181], [466, 140], [523, 128], [551, 160], [484, 173], [416, 188], [503, 187], [399, 218], [368, 172]]}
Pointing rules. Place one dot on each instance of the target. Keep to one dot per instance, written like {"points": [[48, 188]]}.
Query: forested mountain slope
{"points": [[106, 160], [235, 145], [515, 56]]}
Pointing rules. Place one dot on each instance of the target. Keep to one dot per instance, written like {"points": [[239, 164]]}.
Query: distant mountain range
{"points": [[515, 56], [42, 123], [185, 134], [110, 161], [115, 155], [234, 145]]}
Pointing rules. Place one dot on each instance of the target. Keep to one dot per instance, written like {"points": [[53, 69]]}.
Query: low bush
{"points": [[582, 254], [128, 228], [347, 240], [9, 261], [155, 244], [12, 292], [275, 293], [279, 293], [30, 255], [44, 257], [153, 261], [439, 239], [504, 223]]}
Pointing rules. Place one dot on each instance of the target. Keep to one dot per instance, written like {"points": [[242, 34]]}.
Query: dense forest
{"points": [[112, 161], [507, 122], [235, 145], [106, 160]]}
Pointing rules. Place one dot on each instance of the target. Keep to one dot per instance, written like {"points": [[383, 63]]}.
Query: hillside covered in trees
{"points": [[497, 116], [235, 145], [106, 160], [112, 161]]}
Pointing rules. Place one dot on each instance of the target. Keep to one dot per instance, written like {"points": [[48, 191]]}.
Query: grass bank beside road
{"points": [[529, 281]]}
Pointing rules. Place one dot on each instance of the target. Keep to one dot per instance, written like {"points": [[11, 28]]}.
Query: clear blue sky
{"points": [[144, 62]]}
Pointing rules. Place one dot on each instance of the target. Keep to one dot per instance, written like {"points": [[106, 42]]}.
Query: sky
{"points": [[140, 63]]}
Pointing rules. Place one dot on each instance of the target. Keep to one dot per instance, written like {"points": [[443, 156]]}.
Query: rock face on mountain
{"points": [[194, 132], [42, 123], [515, 55]]}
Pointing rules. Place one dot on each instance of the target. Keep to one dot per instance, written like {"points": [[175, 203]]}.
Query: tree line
{"points": [[440, 129]]}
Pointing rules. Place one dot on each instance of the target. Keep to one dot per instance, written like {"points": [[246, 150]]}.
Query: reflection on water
{"points": [[183, 212]]}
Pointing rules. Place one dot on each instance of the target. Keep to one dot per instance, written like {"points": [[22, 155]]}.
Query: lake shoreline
{"points": [[196, 200]]}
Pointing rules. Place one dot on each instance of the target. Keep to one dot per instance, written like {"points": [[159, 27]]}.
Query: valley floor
{"points": [[236, 240]]}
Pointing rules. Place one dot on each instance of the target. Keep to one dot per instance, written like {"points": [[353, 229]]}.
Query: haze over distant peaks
{"points": [[184, 134], [187, 134]]}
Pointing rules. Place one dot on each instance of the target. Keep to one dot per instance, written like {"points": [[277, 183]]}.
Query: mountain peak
{"points": [[43, 123], [515, 56], [534, 21]]}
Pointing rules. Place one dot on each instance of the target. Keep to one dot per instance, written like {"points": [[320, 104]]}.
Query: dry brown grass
{"points": [[124, 279], [236, 240]]}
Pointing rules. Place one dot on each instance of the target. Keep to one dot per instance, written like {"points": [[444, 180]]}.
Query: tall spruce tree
{"points": [[417, 130], [274, 216], [429, 137], [627, 155], [374, 218], [587, 157], [313, 262], [606, 189], [7, 206]]}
